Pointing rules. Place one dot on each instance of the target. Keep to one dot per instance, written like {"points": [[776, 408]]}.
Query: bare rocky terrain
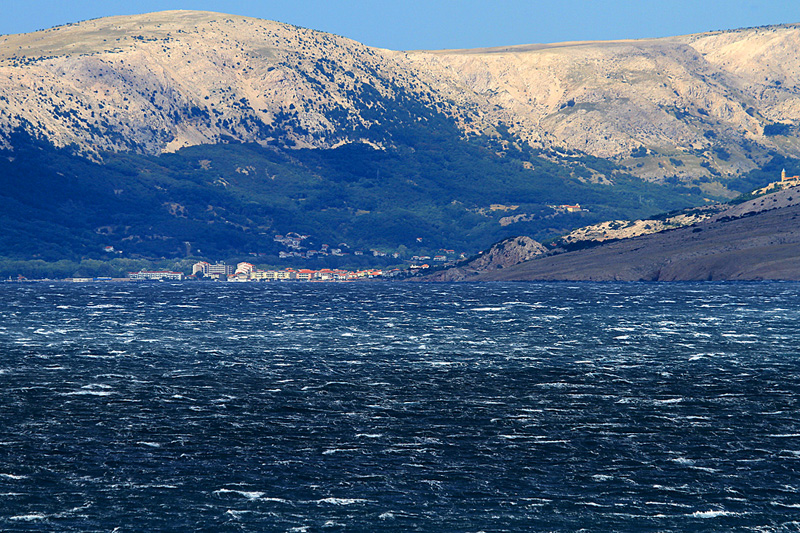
{"points": [[155, 83], [696, 108], [755, 240], [682, 98], [612, 230]]}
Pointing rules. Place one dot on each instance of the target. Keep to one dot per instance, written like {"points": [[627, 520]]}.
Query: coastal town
{"points": [[298, 247], [247, 272], [294, 249]]}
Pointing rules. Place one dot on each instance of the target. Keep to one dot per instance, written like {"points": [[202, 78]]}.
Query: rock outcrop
{"points": [[502, 255]]}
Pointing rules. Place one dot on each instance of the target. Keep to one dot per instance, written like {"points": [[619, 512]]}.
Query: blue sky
{"points": [[435, 24]]}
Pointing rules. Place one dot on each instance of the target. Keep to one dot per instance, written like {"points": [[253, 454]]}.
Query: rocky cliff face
{"points": [[692, 107]]}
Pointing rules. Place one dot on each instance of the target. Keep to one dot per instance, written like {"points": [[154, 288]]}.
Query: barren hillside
{"points": [[692, 108]]}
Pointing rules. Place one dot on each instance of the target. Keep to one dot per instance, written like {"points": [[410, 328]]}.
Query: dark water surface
{"points": [[394, 407]]}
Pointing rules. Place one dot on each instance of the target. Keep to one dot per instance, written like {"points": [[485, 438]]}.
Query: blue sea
{"points": [[400, 407]]}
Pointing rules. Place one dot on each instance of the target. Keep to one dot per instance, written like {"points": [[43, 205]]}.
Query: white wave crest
{"points": [[250, 495], [28, 517], [712, 514], [342, 501]]}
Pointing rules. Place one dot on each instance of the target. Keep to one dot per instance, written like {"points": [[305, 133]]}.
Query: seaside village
{"points": [[297, 248], [247, 272]]}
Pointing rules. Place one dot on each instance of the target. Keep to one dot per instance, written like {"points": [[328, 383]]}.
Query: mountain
{"points": [[155, 83], [697, 109], [755, 240], [184, 133], [699, 106]]}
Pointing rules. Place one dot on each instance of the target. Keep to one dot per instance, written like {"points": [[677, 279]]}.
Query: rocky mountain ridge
{"points": [[696, 109], [680, 97], [155, 83]]}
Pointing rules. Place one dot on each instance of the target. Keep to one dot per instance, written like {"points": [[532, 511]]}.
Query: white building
{"points": [[155, 275], [245, 269], [208, 270]]}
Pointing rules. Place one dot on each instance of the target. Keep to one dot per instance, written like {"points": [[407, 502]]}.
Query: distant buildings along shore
{"points": [[248, 272]]}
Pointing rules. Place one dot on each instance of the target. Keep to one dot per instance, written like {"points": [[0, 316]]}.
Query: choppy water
{"points": [[393, 407]]}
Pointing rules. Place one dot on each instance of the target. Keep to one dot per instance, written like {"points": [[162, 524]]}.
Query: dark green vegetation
{"points": [[227, 201]]}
